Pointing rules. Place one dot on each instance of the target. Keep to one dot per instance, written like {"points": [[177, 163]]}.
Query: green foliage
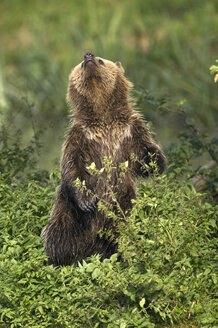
{"points": [[192, 146], [164, 272], [214, 70], [17, 161], [165, 46]]}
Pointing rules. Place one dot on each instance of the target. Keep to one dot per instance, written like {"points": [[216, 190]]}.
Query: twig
{"points": [[189, 314]]}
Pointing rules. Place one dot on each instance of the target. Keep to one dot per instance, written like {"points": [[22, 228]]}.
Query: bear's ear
{"points": [[120, 66]]}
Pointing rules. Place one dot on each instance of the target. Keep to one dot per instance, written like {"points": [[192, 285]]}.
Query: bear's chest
{"points": [[109, 139]]}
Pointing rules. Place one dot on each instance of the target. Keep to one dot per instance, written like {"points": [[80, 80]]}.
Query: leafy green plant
{"points": [[163, 274], [214, 70], [164, 49]]}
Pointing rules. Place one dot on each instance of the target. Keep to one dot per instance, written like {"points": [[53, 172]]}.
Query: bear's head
{"points": [[98, 83]]}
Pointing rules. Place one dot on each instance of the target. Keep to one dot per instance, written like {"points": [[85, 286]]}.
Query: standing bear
{"points": [[105, 126]]}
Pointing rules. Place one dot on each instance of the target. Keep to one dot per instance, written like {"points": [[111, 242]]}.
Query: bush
{"points": [[163, 274]]}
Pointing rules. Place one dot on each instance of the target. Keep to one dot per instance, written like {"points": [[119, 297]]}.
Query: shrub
{"points": [[163, 274]]}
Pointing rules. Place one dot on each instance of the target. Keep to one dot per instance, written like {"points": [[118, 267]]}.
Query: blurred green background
{"points": [[166, 47]]}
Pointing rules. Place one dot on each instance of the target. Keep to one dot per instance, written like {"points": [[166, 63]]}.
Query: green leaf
{"points": [[142, 302], [96, 273]]}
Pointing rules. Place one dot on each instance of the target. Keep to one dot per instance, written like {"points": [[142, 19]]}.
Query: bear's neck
{"points": [[105, 112], [110, 108]]}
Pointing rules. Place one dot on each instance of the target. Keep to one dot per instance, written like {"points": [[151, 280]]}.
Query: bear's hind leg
{"points": [[59, 235]]}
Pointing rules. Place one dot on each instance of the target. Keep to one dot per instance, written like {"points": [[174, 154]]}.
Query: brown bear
{"points": [[104, 125]]}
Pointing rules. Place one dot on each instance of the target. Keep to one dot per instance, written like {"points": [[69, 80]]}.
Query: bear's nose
{"points": [[88, 56]]}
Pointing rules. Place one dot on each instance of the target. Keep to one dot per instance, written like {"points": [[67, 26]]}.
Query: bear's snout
{"points": [[88, 56]]}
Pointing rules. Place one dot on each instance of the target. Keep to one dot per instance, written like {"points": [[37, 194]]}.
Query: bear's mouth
{"points": [[89, 58], [88, 61]]}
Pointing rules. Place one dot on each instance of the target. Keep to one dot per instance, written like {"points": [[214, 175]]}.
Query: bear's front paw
{"points": [[87, 205]]}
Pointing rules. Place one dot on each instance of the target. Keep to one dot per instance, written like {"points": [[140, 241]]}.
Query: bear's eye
{"points": [[101, 62]]}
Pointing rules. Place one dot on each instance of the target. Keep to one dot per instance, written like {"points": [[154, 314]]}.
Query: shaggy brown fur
{"points": [[104, 124]]}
